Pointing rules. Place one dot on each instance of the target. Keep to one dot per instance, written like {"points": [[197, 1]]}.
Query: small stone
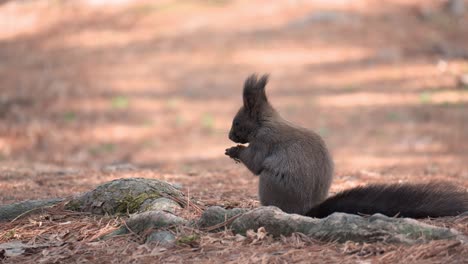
{"points": [[163, 238], [160, 204], [139, 223]]}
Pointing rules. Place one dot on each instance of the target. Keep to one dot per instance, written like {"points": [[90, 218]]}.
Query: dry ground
{"points": [[85, 88]]}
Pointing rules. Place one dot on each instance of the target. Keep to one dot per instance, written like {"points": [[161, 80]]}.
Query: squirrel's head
{"points": [[255, 110]]}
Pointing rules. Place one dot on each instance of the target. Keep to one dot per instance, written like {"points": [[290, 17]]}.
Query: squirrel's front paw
{"points": [[234, 152]]}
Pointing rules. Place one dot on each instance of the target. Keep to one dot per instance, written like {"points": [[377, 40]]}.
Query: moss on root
{"points": [[188, 240], [74, 205], [131, 204], [123, 196]]}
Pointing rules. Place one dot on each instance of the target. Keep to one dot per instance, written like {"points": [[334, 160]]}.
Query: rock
{"points": [[11, 211], [216, 215], [342, 227], [163, 238], [139, 223], [123, 196], [159, 204]]}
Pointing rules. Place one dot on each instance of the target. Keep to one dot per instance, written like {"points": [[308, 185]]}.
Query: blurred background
{"points": [[94, 84]]}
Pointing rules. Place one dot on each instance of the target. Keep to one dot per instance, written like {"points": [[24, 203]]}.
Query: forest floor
{"points": [[91, 92]]}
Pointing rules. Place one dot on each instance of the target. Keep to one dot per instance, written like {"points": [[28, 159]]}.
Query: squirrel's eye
{"points": [[236, 123]]}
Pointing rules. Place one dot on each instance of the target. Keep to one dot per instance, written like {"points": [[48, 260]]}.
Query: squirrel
{"points": [[296, 169]]}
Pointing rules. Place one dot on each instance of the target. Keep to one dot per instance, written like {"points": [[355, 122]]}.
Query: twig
{"points": [[188, 198], [30, 211], [225, 223], [183, 202]]}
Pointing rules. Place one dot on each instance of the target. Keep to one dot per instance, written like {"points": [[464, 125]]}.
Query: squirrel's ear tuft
{"points": [[254, 93]]}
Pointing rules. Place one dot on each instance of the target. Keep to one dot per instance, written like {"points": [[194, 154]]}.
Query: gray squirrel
{"points": [[296, 169]]}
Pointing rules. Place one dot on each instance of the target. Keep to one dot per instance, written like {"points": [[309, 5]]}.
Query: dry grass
{"points": [[73, 238]]}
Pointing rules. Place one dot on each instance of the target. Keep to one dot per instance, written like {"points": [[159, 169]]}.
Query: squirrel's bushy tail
{"points": [[403, 200]]}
